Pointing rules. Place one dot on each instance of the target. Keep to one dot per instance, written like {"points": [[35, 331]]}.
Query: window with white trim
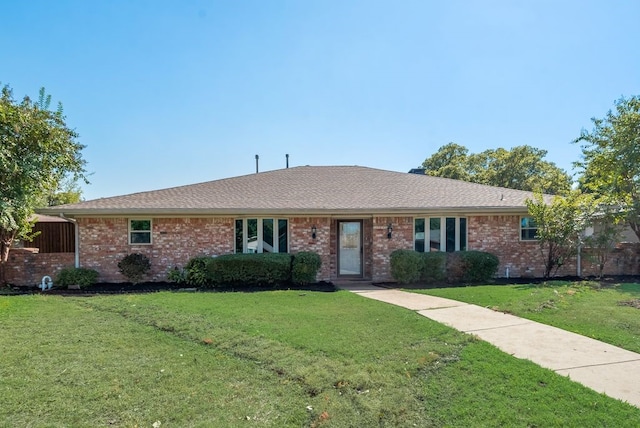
{"points": [[139, 231], [528, 229], [440, 234], [262, 235]]}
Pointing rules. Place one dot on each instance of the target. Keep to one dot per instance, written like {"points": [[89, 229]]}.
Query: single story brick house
{"points": [[354, 217]]}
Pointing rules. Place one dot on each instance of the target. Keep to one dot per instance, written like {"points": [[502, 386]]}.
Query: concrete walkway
{"points": [[602, 367]]}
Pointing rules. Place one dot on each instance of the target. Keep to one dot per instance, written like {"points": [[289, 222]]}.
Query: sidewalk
{"points": [[602, 367]]}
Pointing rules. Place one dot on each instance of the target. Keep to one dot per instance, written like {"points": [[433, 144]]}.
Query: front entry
{"points": [[350, 248]]}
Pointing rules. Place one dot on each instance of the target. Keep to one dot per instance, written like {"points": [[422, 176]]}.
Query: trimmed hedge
{"points": [[231, 270], [408, 266], [76, 276], [479, 265], [259, 269], [434, 267], [305, 267]]}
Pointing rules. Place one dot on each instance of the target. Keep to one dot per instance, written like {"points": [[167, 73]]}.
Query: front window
{"points": [[528, 229], [139, 232], [262, 235], [440, 234]]}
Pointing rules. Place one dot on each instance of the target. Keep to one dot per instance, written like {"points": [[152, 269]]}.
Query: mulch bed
{"points": [[154, 287]]}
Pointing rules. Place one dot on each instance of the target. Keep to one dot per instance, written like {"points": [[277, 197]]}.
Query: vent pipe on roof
{"points": [[287, 156], [257, 157]]}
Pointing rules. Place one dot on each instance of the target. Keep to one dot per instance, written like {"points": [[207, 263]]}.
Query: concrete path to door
{"points": [[602, 367]]}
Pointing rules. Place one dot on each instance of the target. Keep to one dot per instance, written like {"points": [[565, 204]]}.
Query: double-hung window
{"points": [[440, 234], [139, 231], [262, 235], [528, 229]]}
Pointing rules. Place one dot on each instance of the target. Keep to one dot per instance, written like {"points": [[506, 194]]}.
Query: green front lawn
{"points": [[280, 359], [606, 314]]}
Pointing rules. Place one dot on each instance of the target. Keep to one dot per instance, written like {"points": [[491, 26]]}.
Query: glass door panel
{"points": [[350, 248]]}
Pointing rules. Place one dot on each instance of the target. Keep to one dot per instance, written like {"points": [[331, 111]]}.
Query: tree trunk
{"points": [[6, 239]]}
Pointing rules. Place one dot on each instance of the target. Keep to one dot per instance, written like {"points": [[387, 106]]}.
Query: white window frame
{"points": [[443, 232], [520, 229], [260, 247], [150, 231]]}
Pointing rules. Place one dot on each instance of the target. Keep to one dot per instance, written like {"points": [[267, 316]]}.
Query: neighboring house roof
{"points": [[310, 190], [40, 218]]}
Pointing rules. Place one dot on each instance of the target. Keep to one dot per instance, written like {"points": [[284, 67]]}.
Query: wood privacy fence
{"points": [[54, 237]]}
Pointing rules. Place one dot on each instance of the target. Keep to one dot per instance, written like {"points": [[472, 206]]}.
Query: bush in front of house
{"points": [[196, 271], [250, 269], [481, 266], [471, 266], [305, 267], [134, 267], [434, 268], [456, 268], [76, 276], [407, 266], [177, 275]]}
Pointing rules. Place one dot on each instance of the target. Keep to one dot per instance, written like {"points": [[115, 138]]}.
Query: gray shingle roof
{"points": [[311, 190]]}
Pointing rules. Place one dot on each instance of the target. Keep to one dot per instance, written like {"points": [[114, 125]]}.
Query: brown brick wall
{"points": [[104, 242], [623, 260], [26, 266], [401, 238], [500, 235], [300, 239]]}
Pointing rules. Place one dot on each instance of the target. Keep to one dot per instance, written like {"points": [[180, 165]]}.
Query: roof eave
{"points": [[132, 212]]}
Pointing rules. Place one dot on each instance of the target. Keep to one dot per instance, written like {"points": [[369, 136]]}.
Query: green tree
{"points": [[68, 192], [450, 161], [607, 230], [37, 151], [522, 167], [611, 158], [560, 226]]}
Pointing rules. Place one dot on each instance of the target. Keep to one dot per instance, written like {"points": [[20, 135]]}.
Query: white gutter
{"points": [[76, 240]]}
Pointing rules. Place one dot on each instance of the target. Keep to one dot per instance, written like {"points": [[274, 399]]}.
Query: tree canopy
{"points": [[37, 152], [611, 159], [521, 167]]}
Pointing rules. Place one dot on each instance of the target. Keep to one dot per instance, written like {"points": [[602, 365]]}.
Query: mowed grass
{"points": [[582, 307], [277, 359]]}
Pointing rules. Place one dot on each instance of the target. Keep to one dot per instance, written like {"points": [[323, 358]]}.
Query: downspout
{"points": [[579, 262], [76, 240]]}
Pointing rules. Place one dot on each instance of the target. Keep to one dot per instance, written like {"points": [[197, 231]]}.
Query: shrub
{"points": [[134, 267], [196, 271], [434, 266], [177, 275], [471, 266], [305, 267], [406, 266], [481, 266], [456, 267], [77, 276], [250, 269]]}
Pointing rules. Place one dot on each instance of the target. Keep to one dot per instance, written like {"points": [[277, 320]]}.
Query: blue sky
{"points": [[166, 93]]}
